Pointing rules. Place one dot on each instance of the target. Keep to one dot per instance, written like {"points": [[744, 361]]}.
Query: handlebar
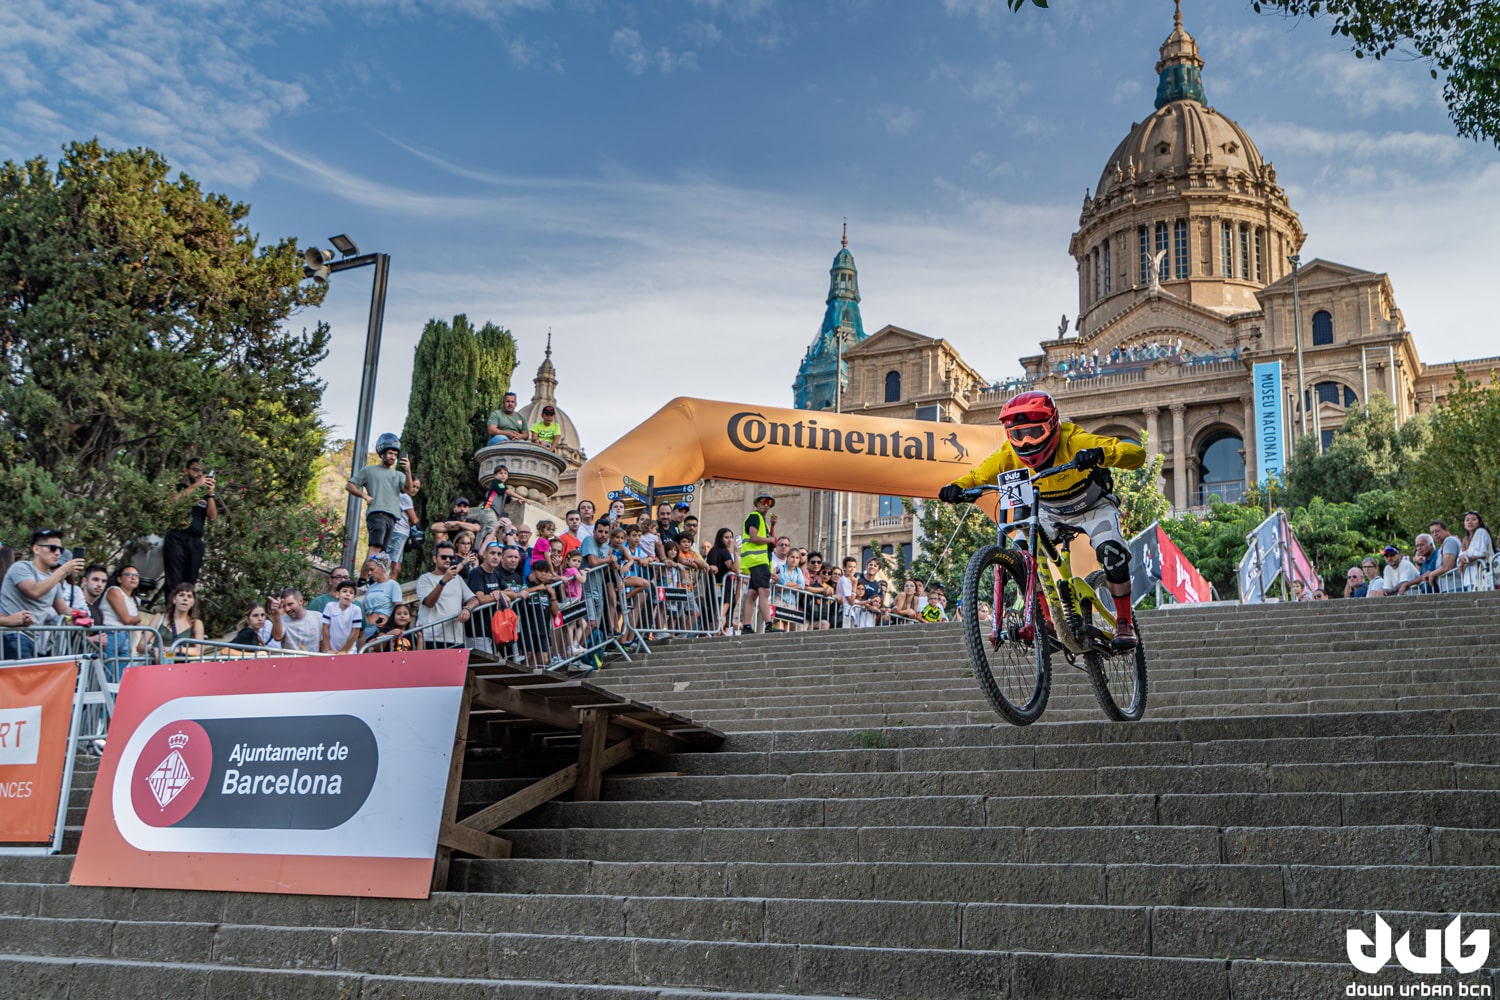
{"points": [[975, 492]]}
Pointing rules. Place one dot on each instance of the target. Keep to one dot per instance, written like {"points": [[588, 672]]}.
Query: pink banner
{"points": [[1179, 576], [1301, 567]]}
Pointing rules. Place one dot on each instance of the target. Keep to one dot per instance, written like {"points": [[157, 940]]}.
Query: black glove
{"points": [[952, 493], [1089, 458]]}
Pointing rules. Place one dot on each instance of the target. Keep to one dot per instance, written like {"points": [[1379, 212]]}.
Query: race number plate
{"points": [[1015, 489]]}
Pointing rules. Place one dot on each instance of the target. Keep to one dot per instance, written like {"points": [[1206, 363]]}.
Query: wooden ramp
{"points": [[521, 710]]}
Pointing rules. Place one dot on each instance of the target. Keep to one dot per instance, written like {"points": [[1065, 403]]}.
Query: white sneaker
{"points": [[575, 650]]}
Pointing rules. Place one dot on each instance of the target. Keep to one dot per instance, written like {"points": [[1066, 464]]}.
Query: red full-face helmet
{"points": [[1032, 426]]}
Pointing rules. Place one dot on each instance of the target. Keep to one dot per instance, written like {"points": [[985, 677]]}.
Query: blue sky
{"points": [[665, 181]]}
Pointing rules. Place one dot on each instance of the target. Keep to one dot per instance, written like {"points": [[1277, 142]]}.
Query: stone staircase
{"points": [[871, 829]]}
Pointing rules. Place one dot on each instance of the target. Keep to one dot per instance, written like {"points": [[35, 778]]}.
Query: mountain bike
{"points": [[1040, 608]]}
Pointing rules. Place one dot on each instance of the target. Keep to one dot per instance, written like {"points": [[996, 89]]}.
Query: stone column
{"points": [[1250, 430], [1153, 442], [1179, 457]]}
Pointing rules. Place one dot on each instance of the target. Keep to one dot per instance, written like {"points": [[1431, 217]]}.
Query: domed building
{"points": [[569, 446], [1190, 312]]}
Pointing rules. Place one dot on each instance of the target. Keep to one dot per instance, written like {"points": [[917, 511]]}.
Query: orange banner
{"points": [[692, 439], [36, 713]]}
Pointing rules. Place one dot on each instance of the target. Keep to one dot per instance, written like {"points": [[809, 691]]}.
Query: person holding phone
{"points": [[182, 548], [31, 592]]}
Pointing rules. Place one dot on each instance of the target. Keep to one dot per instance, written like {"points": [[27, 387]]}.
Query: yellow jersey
{"points": [[1075, 489]]}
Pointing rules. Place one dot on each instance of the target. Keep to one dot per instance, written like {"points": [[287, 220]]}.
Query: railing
{"points": [[1230, 492], [889, 521], [190, 650], [1476, 576], [423, 633]]}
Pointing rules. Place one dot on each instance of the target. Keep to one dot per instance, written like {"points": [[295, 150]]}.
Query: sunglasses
{"points": [[51, 548]]}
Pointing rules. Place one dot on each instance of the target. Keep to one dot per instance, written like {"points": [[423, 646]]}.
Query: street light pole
{"points": [[320, 266]]}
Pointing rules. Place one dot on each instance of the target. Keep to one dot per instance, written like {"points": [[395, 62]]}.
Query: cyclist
{"points": [[1084, 499]]}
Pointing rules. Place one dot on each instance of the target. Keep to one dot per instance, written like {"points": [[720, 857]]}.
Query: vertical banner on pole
{"points": [[1270, 442], [36, 712]]}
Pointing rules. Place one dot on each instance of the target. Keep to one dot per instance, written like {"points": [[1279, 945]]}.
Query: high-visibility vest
{"points": [[751, 554]]}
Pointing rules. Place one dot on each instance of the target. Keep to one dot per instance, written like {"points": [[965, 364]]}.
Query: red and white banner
{"points": [[36, 712], [1179, 577], [304, 775], [1301, 567]]}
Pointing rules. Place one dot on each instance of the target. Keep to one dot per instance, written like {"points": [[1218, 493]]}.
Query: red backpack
{"points": [[504, 625]]}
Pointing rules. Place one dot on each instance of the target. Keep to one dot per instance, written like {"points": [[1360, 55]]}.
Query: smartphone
{"points": [[214, 472], [78, 552]]}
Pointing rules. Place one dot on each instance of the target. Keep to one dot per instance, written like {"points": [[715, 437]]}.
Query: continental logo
{"points": [[752, 432]]}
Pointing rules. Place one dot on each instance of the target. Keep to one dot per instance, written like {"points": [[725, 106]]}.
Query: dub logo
{"points": [[1372, 955]]}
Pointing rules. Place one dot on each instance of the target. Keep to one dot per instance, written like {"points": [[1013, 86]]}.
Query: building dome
{"points": [[544, 392], [1185, 205]]}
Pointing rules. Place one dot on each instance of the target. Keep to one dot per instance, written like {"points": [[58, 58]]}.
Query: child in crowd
{"points": [[399, 624], [547, 429], [342, 622], [496, 497], [572, 576], [635, 585], [546, 531]]}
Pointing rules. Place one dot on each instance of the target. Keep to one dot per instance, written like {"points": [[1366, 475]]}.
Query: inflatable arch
{"points": [[692, 439]]}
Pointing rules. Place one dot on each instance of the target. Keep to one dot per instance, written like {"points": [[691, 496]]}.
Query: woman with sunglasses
{"points": [[1036, 439]]}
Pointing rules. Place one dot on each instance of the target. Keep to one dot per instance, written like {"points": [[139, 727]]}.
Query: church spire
{"points": [[1180, 70], [842, 328], [544, 386]]}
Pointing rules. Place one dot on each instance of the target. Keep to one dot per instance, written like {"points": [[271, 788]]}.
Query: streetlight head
{"points": [[344, 245], [316, 264]]}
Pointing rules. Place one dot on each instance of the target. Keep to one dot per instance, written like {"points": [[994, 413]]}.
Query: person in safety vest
{"points": [[1084, 499], [755, 560]]}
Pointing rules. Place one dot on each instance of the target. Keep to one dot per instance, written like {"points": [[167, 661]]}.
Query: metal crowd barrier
{"points": [[190, 650], [1476, 576], [381, 642], [799, 610]]}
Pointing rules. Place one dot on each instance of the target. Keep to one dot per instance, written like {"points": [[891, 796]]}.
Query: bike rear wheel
{"points": [[1015, 675], [1119, 680]]}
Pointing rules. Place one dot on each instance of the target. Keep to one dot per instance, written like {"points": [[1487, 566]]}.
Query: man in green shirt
{"points": [[505, 424], [381, 486]]}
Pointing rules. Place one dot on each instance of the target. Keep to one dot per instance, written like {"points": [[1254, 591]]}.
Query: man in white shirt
{"points": [[441, 594], [300, 630], [1398, 570]]}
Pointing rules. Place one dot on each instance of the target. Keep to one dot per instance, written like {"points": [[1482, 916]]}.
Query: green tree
{"points": [[1141, 498], [143, 324], [1458, 39], [438, 436], [1338, 535], [1215, 541], [497, 361], [1369, 452], [1460, 468], [950, 534]]}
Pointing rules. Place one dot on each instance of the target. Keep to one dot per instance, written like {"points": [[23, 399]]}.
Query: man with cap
{"points": [[380, 485], [755, 560], [459, 519], [547, 431], [505, 424], [1398, 570]]}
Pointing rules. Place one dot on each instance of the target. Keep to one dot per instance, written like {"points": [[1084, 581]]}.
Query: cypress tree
{"points": [[497, 360], [444, 387]]}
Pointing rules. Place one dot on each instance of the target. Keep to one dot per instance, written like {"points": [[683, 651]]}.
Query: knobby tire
{"points": [[1116, 675], [1019, 692]]}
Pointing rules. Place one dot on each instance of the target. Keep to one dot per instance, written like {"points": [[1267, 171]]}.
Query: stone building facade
{"points": [[1184, 254]]}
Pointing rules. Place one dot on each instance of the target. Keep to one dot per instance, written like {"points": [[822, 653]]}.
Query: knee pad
{"points": [[1115, 558]]}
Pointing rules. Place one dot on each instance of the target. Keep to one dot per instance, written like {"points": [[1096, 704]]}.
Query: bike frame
{"points": [[1064, 593]]}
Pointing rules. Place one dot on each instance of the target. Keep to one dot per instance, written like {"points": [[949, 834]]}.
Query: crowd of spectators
{"points": [[1440, 562]]}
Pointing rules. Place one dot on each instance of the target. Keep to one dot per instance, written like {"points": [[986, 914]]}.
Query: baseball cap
{"points": [[461, 500], [549, 410], [1390, 550], [684, 505], [765, 495]]}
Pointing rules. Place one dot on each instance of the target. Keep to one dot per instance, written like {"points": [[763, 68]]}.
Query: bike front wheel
{"points": [[1014, 673]]}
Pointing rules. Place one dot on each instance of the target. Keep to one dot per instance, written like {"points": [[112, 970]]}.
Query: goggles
{"points": [[1021, 433]]}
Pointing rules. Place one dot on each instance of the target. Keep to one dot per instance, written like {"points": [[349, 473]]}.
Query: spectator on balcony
{"points": [[342, 623], [33, 589], [400, 626], [1426, 558], [458, 519], [505, 424], [253, 627], [86, 597], [301, 629], [443, 594], [778, 558], [1371, 570], [1398, 570], [1478, 551], [906, 603], [382, 594], [722, 568], [182, 548], [401, 532], [1354, 582], [1448, 550], [487, 582], [547, 432], [336, 576], [380, 486], [666, 528], [178, 621], [585, 529], [119, 609], [491, 509]]}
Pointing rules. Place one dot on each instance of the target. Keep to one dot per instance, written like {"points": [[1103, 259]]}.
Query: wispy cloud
{"points": [[626, 44], [899, 121], [1291, 138]]}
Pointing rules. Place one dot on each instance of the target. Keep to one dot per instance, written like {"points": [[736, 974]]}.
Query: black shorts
{"points": [[760, 577], [380, 525]]}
